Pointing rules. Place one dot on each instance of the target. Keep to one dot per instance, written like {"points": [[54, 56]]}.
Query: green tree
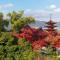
{"points": [[18, 19], [3, 22], [26, 53], [11, 50]]}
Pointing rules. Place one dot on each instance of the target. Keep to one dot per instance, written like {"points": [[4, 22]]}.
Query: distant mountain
{"points": [[58, 24], [36, 24], [42, 24]]}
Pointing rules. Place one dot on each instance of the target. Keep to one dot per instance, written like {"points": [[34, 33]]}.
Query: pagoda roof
{"points": [[50, 29], [50, 22], [49, 26]]}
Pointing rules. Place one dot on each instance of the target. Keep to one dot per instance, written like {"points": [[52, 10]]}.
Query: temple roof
{"points": [[50, 29], [50, 26], [50, 22]]}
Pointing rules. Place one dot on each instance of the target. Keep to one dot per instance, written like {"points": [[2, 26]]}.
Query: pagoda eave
{"points": [[50, 23], [50, 30], [50, 26]]}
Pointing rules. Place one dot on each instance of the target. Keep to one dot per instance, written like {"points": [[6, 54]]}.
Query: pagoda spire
{"points": [[50, 16]]}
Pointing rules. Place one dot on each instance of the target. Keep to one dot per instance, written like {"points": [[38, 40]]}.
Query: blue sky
{"points": [[40, 9]]}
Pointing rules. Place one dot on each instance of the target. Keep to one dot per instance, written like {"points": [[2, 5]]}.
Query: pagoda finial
{"points": [[50, 16]]}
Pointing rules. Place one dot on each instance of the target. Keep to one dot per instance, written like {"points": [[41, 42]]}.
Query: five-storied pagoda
{"points": [[50, 25]]}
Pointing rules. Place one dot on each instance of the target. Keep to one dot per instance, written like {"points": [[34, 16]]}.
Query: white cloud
{"points": [[43, 15], [0, 6], [52, 6], [6, 5], [57, 10], [27, 10], [37, 14]]}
